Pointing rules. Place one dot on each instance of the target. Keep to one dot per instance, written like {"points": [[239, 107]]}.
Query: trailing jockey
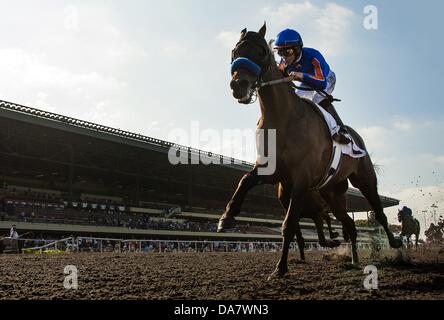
{"points": [[308, 66]]}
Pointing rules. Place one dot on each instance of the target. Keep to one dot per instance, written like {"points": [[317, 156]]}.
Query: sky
{"points": [[158, 67]]}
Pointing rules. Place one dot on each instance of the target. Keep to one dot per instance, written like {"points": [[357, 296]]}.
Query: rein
{"points": [[290, 79], [260, 84]]}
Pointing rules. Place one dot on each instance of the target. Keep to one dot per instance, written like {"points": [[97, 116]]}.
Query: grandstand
{"points": [[62, 176]]}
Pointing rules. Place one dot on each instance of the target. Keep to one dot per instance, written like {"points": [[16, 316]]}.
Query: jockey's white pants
{"points": [[318, 97], [313, 95]]}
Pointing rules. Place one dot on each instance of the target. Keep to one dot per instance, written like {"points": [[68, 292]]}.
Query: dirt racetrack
{"points": [[419, 275]]}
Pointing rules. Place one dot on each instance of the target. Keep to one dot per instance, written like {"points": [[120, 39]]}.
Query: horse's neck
{"points": [[277, 102]]}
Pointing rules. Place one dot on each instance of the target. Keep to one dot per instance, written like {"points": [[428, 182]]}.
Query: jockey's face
{"points": [[289, 54]]}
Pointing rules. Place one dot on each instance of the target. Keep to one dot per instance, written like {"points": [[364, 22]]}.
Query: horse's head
{"points": [[250, 60]]}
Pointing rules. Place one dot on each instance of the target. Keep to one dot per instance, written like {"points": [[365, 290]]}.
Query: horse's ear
{"points": [[263, 30], [243, 32]]}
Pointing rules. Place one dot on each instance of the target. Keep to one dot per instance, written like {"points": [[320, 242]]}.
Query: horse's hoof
{"points": [[395, 243], [355, 258], [277, 274], [301, 261], [336, 243], [330, 243], [225, 224], [334, 235]]}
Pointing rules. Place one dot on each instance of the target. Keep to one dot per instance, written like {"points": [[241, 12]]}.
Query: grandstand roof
{"points": [[222, 188]]}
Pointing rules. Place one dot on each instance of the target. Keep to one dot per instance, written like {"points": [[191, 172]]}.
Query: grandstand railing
{"points": [[93, 244], [62, 244]]}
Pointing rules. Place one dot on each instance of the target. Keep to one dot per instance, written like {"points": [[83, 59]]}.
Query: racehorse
{"points": [[303, 149], [410, 226]]}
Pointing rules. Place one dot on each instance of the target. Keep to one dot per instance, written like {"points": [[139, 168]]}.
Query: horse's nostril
{"points": [[239, 84], [243, 84], [232, 84]]}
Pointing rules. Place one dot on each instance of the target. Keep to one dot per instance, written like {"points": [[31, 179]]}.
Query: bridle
{"points": [[257, 68]]}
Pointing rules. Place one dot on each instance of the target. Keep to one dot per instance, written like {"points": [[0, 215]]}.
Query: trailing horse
{"points": [[303, 149], [410, 226]]}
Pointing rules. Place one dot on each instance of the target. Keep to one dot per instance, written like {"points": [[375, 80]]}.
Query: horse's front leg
{"points": [[247, 182], [290, 228], [288, 233]]}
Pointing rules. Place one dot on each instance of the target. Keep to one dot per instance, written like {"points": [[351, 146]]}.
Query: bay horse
{"points": [[409, 226], [303, 150]]}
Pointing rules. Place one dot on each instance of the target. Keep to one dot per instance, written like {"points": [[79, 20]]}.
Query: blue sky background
{"points": [[153, 67]]}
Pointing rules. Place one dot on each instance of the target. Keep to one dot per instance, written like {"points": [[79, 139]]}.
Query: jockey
{"points": [[407, 211], [308, 66]]}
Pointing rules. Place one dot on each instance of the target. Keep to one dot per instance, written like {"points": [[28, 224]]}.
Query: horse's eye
{"points": [[261, 52]]}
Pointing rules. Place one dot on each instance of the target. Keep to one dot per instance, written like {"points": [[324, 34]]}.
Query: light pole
{"points": [[434, 206], [425, 222]]}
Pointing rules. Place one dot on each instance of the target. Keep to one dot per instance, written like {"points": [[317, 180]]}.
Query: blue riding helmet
{"points": [[407, 210], [288, 38]]}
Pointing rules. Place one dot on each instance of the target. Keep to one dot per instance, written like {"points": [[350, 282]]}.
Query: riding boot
{"points": [[341, 136]]}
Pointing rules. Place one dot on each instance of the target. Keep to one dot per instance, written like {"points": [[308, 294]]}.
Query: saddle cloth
{"points": [[351, 149]]}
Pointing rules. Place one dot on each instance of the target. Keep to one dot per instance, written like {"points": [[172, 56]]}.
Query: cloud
{"points": [[403, 125], [333, 26], [438, 160], [375, 137], [173, 49], [102, 113], [41, 102], [33, 70], [327, 28], [384, 161], [35, 80], [287, 13], [228, 38]]}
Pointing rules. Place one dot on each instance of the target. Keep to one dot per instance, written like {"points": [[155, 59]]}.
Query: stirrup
{"points": [[341, 138]]}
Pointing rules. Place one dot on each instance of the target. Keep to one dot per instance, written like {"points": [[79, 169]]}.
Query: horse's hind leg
{"points": [[333, 234], [365, 180], [337, 202], [320, 230], [417, 233]]}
